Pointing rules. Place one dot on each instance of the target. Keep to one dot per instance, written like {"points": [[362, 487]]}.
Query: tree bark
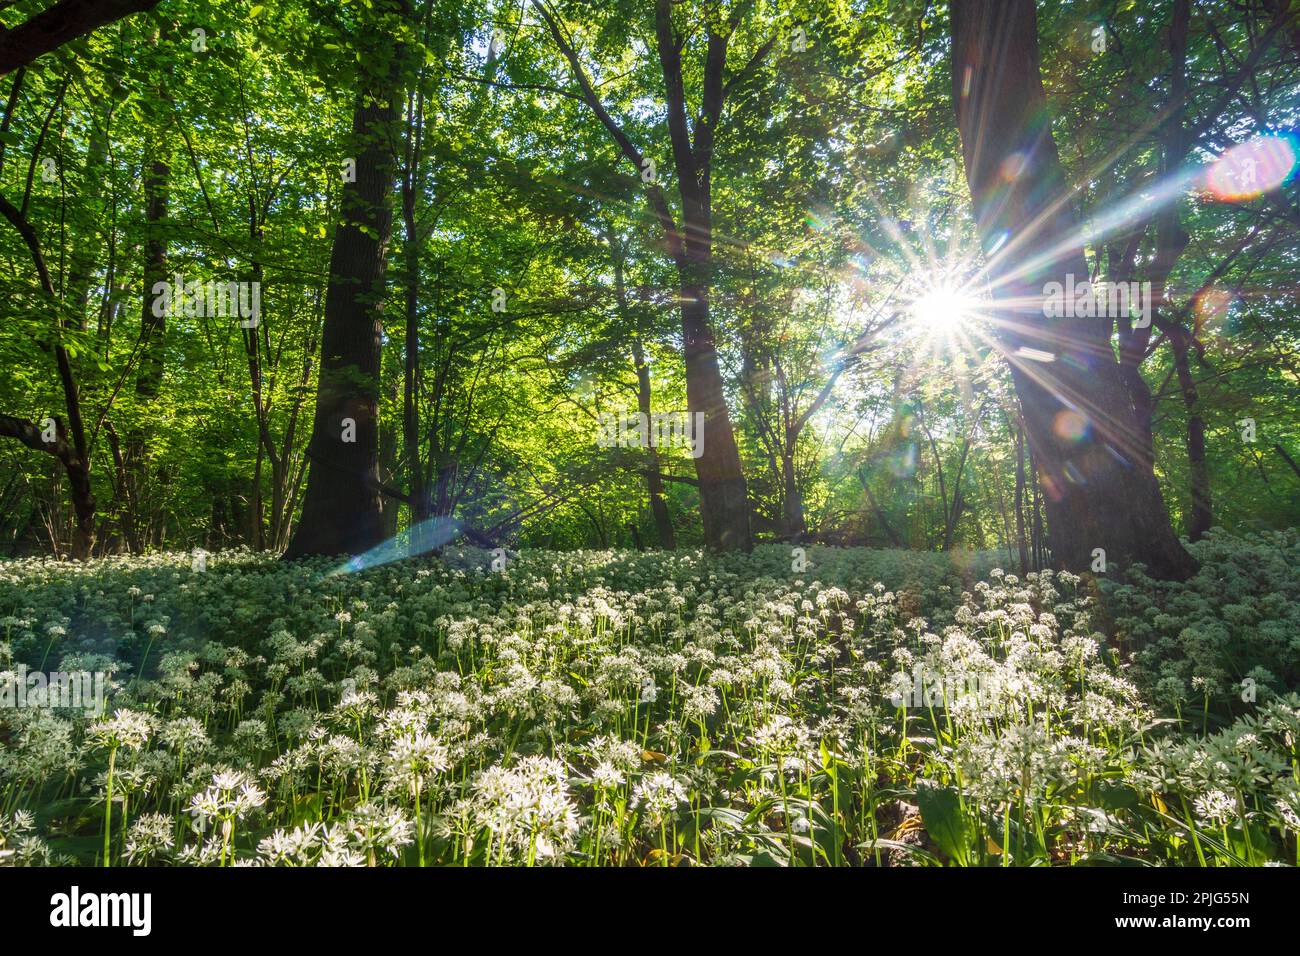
{"points": [[1171, 241], [654, 481], [1021, 545], [1200, 516], [411, 375], [724, 504], [63, 22], [342, 508], [153, 332], [888, 528], [73, 454], [75, 467], [795, 524], [958, 501], [1288, 459], [1100, 488]]}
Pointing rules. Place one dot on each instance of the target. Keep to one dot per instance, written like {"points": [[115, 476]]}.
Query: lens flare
{"points": [[417, 539], [1070, 425], [942, 305], [1013, 166], [817, 221], [1212, 307], [1252, 168], [939, 309], [902, 463]]}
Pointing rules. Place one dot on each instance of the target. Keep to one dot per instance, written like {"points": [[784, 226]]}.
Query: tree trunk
{"points": [[888, 528], [86, 253], [1038, 544], [153, 328], [1021, 545], [1200, 516], [1100, 488], [1171, 241], [153, 332], [342, 511], [654, 481], [411, 378], [1288, 459], [724, 504], [958, 501], [796, 525], [75, 467], [156, 175], [73, 454]]}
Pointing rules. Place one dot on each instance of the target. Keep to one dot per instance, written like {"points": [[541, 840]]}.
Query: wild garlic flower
{"points": [[1216, 807], [126, 728], [657, 796], [232, 796]]}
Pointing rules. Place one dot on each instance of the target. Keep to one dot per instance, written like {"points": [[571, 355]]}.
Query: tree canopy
{"points": [[477, 236]]}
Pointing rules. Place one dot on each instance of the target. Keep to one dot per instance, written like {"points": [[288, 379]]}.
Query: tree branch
{"points": [[60, 24], [658, 202]]}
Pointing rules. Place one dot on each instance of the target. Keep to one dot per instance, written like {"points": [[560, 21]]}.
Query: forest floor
{"points": [[833, 707]]}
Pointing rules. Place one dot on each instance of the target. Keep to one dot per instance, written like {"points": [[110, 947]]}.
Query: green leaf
{"points": [[1118, 797], [944, 820], [919, 852]]}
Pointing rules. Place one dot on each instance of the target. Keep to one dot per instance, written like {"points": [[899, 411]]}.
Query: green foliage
{"points": [[836, 199], [1227, 636], [603, 707]]}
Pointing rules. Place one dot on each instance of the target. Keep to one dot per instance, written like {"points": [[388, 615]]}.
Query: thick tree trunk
{"points": [[724, 504], [342, 511], [1095, 471]]}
